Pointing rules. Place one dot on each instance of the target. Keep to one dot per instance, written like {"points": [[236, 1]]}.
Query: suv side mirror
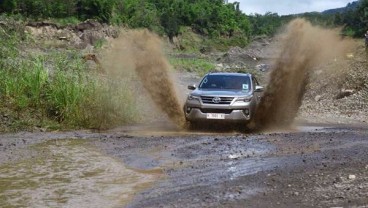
{"points": [[258, 89], [192, 87]]}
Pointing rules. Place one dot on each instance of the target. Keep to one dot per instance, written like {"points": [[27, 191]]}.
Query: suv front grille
{"points": [[224, 111], [221, 101]]}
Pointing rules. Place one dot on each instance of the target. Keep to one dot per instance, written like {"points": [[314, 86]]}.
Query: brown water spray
{"points": [[303, 48], [140, 52]]}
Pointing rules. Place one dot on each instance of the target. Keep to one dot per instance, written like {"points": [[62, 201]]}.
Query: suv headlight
{"points": [[244, 99], [193, 97]]}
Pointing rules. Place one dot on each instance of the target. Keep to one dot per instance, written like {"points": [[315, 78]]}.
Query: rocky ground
{"points": [[339, 91], [303, 169], [307, 166], [83, 35]]}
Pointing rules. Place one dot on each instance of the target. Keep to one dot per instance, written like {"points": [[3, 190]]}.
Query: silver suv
{"points": [[223, 96]]}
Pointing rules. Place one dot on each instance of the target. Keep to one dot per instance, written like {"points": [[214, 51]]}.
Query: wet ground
{"points": [[145, 166]]}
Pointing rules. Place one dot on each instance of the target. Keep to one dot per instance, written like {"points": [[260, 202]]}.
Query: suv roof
{"points": [[229, 73]]}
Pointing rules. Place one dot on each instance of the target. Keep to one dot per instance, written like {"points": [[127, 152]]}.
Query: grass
{"points": [[197, 65], [224, 44], [191, 42], [100, 43], [56, 89]]}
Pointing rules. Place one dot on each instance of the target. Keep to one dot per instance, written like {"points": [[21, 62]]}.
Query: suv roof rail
{"points": [[229, 72]]}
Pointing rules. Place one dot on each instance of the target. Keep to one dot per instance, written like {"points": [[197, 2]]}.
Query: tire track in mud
{"points": [[303, 48]]}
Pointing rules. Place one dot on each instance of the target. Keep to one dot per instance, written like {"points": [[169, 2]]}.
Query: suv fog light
{"points": [[246, 112], [189, 109]]}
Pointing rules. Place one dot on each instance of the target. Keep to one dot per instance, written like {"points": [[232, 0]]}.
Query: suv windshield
{"points": [[230, 82]]}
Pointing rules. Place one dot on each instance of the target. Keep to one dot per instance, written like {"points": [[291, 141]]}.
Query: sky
{"points": [[284, 7]]}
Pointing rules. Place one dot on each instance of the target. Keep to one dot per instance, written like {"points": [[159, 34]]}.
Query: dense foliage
{"points": [[208, 17], [353, 18], [266, 24], [212, 18]]}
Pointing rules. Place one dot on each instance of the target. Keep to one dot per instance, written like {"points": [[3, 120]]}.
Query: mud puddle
{"points": [[71, 173], [167, 129]]}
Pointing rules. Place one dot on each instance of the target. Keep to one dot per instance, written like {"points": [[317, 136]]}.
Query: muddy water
{"points": [[141, 52], [303, 48], [70, 173]]}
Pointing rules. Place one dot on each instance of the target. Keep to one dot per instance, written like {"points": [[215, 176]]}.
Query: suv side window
{"points": [[254, 83]]}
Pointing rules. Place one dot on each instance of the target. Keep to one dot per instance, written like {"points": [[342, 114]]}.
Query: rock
{"points": [[88, 25], [238, 58], [263, 67], [317, 98], [350, 55], [351, 177], [219, 67], [234, 156], [338, 180], [344, 93], [296, 193]]}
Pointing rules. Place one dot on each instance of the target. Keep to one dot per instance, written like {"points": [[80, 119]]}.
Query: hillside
{"points": [[350, 6], [215, 19]]}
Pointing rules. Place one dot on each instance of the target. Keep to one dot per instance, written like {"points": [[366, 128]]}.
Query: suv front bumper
{"points": [[236, 115]]}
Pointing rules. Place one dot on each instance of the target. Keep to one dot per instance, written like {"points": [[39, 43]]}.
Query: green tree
{"points": [[358, 20], [170, 23]]}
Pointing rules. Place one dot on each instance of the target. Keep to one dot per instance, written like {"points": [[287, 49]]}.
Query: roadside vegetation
{"points": [[55, 90]]}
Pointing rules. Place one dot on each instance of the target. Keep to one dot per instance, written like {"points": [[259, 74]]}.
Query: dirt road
{"points": [[308, 166]]}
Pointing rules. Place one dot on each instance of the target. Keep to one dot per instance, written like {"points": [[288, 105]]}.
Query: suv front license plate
{"points": [[215, 116]]}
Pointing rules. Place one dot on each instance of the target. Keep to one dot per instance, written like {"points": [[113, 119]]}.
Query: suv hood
{"points": [[221, 93]]}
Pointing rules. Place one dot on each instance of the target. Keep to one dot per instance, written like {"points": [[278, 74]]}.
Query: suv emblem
{"points": [[216, 100]]}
